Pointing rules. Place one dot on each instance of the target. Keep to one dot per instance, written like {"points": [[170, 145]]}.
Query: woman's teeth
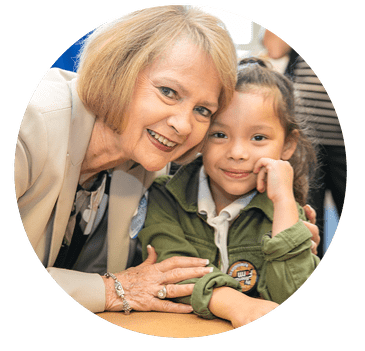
{"points": [[161, 139]]}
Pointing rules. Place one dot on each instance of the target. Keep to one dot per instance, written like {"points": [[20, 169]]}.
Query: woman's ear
{"points": [[290, 145]]}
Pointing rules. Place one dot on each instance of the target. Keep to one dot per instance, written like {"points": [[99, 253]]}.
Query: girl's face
{"points": [[245, 132], [171, 107]]}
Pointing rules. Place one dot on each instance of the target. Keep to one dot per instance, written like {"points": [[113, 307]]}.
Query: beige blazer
{"points": [[52, 143]]}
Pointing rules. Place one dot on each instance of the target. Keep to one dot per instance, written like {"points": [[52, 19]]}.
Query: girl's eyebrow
{"points": [[261, 126], [218, 124]]}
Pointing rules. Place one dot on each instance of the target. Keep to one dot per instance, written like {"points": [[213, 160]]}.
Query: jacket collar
{"points": [[184, 185], [82, 123]]}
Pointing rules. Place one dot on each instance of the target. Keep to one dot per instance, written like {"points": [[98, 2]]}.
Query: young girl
{"points": [[239, 204]]}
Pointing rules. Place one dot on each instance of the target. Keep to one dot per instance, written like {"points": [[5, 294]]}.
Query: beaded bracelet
{"points": [[120, 292]]}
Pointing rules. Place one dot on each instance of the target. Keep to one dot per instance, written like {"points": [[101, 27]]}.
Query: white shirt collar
{"points": [[206, 203], [221, 222]]}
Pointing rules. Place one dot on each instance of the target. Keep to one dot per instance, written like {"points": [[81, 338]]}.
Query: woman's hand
{"points": [[142, 283], [311, 225]]}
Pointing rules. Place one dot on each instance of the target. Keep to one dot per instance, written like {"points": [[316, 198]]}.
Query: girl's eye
{"points": [[219, 135], [203, 111], [259, 138], [170, 93]]}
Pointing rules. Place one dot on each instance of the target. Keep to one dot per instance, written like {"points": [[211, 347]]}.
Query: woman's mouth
{"points": [[160, 141]]}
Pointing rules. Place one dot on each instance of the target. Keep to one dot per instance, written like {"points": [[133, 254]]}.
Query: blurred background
{"points": [[248, 36]]}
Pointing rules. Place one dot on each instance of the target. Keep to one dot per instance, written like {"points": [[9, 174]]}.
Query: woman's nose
{"points": [[181, 122]]}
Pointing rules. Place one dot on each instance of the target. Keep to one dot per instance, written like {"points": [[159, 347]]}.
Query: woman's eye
{"points": [[170, 93], [259, 138], [203, 111]]}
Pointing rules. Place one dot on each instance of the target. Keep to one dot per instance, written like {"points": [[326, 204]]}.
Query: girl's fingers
{"points": [[261, 180], [262, 162]]}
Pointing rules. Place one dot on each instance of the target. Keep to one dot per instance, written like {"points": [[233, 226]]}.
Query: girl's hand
{"points": [[254, 309], [238, 308], [276, 177]]}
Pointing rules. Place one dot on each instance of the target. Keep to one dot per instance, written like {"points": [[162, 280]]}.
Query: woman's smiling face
{"points": [[171, 107]]}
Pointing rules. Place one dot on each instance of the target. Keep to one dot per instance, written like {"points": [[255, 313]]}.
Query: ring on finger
{"points": [[161, 294]]}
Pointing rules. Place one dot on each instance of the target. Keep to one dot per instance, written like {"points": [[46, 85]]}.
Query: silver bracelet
{"points": [[120, 292]]}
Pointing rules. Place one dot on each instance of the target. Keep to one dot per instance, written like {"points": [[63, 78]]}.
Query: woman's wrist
{"points": [[120, 292], [113, 303]]}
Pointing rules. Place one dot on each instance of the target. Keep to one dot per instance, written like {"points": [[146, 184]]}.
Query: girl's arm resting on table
{"points": [[238, 308]]}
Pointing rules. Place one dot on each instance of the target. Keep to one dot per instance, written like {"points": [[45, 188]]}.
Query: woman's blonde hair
{"points": [[115, 53]]}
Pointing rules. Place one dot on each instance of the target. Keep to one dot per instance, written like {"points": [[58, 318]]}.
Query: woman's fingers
{"points": [[173, 291], [169, 306], [179, 274], [152, 257], [314, 231], [142, 283], [314, 248], [181, 262], [315, 236], [310, 213]]}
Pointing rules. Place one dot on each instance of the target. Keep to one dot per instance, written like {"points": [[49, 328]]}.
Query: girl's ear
{"points": [[290, 145]]}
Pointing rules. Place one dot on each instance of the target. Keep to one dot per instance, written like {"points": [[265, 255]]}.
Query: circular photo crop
{"points": [[180, 171]]}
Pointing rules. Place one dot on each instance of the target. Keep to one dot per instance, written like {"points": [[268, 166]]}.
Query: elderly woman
{"points": [[91, 143]]}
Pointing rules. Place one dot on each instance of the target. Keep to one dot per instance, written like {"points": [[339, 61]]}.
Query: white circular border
{"points": [[152, 336]]}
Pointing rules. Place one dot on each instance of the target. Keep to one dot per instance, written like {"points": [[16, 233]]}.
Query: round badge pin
{"points": [[244, 272]]}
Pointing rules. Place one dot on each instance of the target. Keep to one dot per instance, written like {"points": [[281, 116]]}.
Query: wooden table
{"points": [[167, 324]]}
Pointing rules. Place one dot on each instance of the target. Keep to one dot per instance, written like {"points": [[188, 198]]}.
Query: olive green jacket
{"points": [[174, 227]]}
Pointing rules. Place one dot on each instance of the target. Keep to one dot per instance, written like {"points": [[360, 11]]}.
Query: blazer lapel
{"points": [[126, 189], [81, 127], [125, 193]]}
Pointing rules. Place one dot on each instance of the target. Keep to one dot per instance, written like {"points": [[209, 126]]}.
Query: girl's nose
{"points": [[238, 151], [181, 122]]}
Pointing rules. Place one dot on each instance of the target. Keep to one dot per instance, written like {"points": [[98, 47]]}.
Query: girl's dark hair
{"points": [[256, 76]]}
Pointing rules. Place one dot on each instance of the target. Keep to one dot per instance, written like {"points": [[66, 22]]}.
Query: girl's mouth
{"points": [[236, 174], [161, 142]]}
